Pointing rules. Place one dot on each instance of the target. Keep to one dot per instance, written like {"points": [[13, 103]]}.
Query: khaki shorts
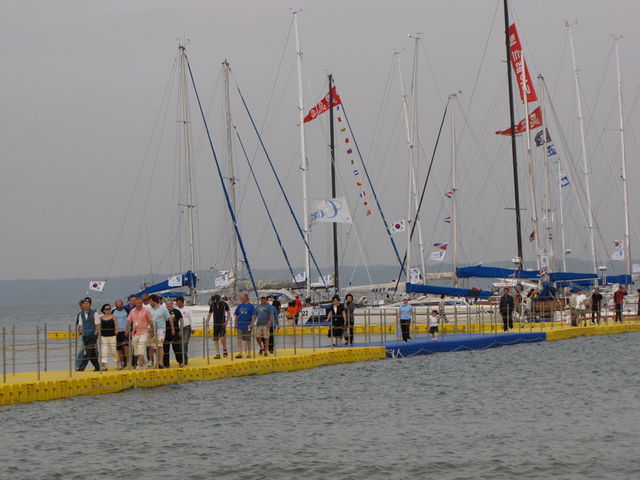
{"points": [[261, 331], [139, 343]]}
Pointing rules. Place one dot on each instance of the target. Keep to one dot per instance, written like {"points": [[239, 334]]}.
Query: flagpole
{"points": [[332, 148], [454, 187], [514, 153], [585, 162], [303, 157], [547, 182], [627, 238]]}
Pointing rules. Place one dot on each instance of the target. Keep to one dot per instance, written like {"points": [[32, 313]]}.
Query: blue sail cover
{"points": [[567, 276], [623, 279], [479, 271], [188, 279], [449, 291]]}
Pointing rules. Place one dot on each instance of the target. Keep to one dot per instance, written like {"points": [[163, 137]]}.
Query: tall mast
{"points": [[454, 187], [548, 225], [514, 154], [231, 179], [585, 162], [185, 122], [303, 156], [332, 148], [627, 238]]}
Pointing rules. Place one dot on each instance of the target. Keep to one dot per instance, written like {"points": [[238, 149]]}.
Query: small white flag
{"points": [[438, 255], [635, 268], [175, 281], [332, 210], [301, 277], [97, 286], [414, 275], [397, 227], [222, 281], [618, 255]]}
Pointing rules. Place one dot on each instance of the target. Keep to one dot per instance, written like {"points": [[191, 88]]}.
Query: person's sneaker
{"points": [[217, 357]]}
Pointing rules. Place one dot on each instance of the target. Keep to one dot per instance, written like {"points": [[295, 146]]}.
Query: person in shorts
{"points": [[244, 315], [140, 327], [433, 324], [160, 315], [263, 319], [220, 312]]}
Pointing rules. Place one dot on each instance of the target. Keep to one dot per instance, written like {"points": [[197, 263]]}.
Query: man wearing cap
{"points": [[262, 321], [86, 327], [220, 312]]}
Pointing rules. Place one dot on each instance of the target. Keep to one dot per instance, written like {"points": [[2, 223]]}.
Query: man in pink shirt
{"points": [[140, 326]]}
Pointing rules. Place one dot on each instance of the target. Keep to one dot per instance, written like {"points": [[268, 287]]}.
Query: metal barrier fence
{"points": [[40, 350]]}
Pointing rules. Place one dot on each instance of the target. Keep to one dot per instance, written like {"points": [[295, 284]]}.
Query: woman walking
{"points": [[337, 317], [349, 308], [107, 329]]}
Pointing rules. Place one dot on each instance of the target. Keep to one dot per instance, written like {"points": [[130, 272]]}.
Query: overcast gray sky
{"points": [[84, 81]]}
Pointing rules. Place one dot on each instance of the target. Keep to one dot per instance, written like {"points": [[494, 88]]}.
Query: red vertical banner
{"points": [[520, 66]]}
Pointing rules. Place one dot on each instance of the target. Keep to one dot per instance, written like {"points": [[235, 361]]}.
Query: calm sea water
{"points": [[566, 410]]}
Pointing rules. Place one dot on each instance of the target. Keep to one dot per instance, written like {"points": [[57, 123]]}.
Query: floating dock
{"points": [[31, 386]]}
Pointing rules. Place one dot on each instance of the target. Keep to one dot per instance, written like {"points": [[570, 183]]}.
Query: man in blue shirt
{"points": [[244, 315], [86, 327], [122, 343], [263, 320]]}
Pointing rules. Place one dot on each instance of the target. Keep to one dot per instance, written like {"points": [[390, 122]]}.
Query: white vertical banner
{"points": [[414, 275], [333, 210]]}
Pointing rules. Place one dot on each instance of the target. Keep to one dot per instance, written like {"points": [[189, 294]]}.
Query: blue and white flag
{"points": [[564, 181], [438, 255], [618, 255], [97, 286], [222, 281], [551, 150], [301, 277], [332, 210], [414, 275]]}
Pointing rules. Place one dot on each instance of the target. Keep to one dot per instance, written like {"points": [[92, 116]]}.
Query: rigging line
{"points": [[373, 190], [424, 189], [284, 193], [221, 176], [264, 202], [144, 159]]}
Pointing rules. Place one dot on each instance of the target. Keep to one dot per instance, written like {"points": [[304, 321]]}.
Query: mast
{"points": [[627, 238], [585, 162], [332, 148], [231, 179], [514, 154], [303, 157], [454, 187], [548, 225], [185, 122]]}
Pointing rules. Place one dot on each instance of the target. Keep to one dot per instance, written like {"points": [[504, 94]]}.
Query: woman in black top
{"points": [[337, 317], [107, 329], [349, 308]]}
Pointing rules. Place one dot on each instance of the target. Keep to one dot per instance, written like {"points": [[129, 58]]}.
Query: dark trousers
{"points": [[169, 342], [618, 312], [90, 353], [507, 320], [404, 327], [595, 315], [271, 339], [348, 334]]}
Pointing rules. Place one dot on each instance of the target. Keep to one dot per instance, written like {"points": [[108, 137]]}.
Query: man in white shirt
{"points": [[187, 318]]}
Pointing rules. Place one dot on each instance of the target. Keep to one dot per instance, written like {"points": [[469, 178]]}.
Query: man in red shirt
{"points": [[618, 299]]}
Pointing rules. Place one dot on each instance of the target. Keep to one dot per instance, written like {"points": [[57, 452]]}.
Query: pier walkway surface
{"points": [[23, 387]]}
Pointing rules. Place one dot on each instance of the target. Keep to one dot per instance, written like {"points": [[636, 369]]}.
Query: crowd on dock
{"points": [[143, 332]]}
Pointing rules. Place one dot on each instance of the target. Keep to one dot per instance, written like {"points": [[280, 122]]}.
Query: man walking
{"points": [[596, 304], [220, 312], [172, 337], [507, 306], [187, 329], [122, 341], [244, 315], [263, 319], [86, 328], [618, 300], [140, 327]]}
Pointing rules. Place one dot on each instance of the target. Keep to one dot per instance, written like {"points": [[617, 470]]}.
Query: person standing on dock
{"points": [[507, 306], [442, 305], [263, 319], [107, 330], [160, 316], [275, 306], [349, 309], [173, 337], [298, 302], [122, 341], [140, 327], [581, 307], [220, 312], [596, 305], [187, 330], [433, 324], [244, 315], [618, 300], [86, 328], [405, 312], [336, 317]]}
